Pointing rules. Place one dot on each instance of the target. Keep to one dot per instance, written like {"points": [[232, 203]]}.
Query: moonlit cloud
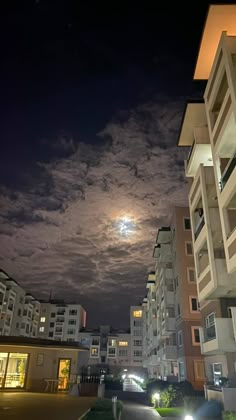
{"points": [[58, 234]]}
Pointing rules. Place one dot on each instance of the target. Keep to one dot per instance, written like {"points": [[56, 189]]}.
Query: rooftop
{"points": [[39, 342], [220, 18]]}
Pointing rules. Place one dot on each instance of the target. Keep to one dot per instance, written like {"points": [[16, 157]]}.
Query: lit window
{"points": [[42, 319], [123, 343], [94, 352], [137, 314], [41, 329], [112, 342]]}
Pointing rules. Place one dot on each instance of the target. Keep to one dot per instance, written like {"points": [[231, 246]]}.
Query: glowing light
{"points": [[126, 226]]}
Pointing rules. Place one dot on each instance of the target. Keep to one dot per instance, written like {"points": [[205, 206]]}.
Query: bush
{"points": [[168, 396], [229, 415]]}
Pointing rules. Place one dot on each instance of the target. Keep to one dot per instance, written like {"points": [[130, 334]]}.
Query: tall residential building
{"points": [[19, 312], [171, 312], [116, 351], [61, 321], [209, 130]]}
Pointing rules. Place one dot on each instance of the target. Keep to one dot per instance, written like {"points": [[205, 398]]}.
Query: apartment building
{"points": [[171, 311], [116, 351], [209, 130], [19, 311], [61, 321]]}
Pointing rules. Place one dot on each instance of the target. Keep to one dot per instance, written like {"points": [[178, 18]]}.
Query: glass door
{"points": [[64, 366], [15, 366], [3, 366]]}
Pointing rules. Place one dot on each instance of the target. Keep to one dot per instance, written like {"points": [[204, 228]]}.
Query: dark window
{"points": [[103, 359], [53, 315], [196, 335], [189, 248], [194, 304], [51, 324], [187, 224], [50, 334]]}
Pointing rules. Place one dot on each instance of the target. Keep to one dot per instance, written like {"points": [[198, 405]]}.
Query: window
{"points": [[194, 305], [188, 248], [51, 324], [50, 334], [72, 322], [191, 274], [137, 333], [123, 343], [181, 371], [73, 312], [195, 336], [95, 341], [137, 314], [19, 312], [42, 319], [123, 353], [210, 320], [138, 353], [94, 352], [217, 372], [137, 323], [178, 309], [180, 338], [111, 342], [103, 359], [25, 312], [70, 340], [70, 332], [187, 224], [53, 315], [41, 329], [111, 352], [137, 343]]}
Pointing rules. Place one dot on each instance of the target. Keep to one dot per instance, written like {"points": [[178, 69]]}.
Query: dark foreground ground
{"points": [[34, 406]]}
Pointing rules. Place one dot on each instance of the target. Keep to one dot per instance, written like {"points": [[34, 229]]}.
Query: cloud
{"points": [[60, 234]]}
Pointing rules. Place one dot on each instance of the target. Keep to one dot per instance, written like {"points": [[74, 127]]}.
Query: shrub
{"points": [[102, 409], [229, 415], [168, 396]]}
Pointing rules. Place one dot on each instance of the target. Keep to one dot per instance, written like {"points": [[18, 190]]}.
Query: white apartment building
{"points": [[19, 312], [116, 351], [209, 129], [61, 321]]}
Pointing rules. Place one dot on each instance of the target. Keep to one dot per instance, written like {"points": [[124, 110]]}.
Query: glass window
{"points": [[53, 315], [94, 352], [95, 341], [123, 343], [123, 352], [111, 352], [187, 224], [137, 314], [112, 342], [42, 319], [41, 329], [194, 306], [188, 248], [191, 275], [16, 370], [137, 342], [195, 335], [217, 372], [138, 353]]}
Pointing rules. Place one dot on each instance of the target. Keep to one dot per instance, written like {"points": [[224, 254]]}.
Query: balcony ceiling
{"points": [[219, 18], [194, 116]]}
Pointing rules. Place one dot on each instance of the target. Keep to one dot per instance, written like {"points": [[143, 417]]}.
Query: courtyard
{"points": [[39, 406]]}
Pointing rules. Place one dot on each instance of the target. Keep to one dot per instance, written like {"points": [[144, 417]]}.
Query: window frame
{"points": [[188, 275], [187, 218], [190, 305], [195, 327], [186, 243]]}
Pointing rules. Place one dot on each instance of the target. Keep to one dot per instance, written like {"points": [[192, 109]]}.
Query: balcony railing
{"points": [[199, 227], [227, 172]]}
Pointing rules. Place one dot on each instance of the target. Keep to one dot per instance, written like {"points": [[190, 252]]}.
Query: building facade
{"points": [[19, 311], [61, 321], [116, 351], [171, 312], [209, 130]]}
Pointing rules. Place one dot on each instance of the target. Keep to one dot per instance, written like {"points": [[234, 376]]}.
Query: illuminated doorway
{"points": [[63, 374], [13, 367]]}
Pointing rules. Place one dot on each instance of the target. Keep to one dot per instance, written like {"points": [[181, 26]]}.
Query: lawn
{"points": [[171, 412]]}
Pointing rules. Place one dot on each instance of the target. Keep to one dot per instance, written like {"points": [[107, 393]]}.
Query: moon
{"points": [[126, 226]]}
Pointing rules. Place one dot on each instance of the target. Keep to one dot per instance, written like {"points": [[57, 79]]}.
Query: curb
{"points": [[85, 414]]}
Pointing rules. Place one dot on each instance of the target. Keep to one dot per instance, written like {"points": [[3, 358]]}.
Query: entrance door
{"points": [[64, 366]]}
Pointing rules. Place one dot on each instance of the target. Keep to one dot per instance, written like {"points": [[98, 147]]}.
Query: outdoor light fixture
{"points": [[156, 399], [188, 417]]}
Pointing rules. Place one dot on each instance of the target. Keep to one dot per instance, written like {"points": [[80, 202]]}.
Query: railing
{"points": [[227, 172], [199, 227]]}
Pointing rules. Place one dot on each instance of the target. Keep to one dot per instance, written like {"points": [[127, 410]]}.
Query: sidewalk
{"points": [[134, 411]]}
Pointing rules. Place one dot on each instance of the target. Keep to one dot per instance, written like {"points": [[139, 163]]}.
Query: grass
{"points": [[171, 412], [102, 409]]}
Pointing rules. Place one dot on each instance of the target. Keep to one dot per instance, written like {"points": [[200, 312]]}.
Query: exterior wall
{"points": [[189, 352], [59, 321], [136, 336], [36, 372]]}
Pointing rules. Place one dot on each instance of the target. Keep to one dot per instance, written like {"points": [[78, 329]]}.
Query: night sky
{"points": [[91, 104]]}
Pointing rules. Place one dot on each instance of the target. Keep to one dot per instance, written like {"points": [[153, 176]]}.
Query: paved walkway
{"points": [[133, 411], [131, 386]]}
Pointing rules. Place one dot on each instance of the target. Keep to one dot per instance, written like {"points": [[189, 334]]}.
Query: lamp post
{"points": [[156, 398]]}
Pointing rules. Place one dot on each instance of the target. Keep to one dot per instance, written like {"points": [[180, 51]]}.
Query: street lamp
{"points": [[156, 399]]}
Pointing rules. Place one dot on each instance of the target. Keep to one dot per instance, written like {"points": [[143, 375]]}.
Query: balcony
{"points": [[227, 172], [218, 338], [199, 227], [167, 326], [200, 152]]}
